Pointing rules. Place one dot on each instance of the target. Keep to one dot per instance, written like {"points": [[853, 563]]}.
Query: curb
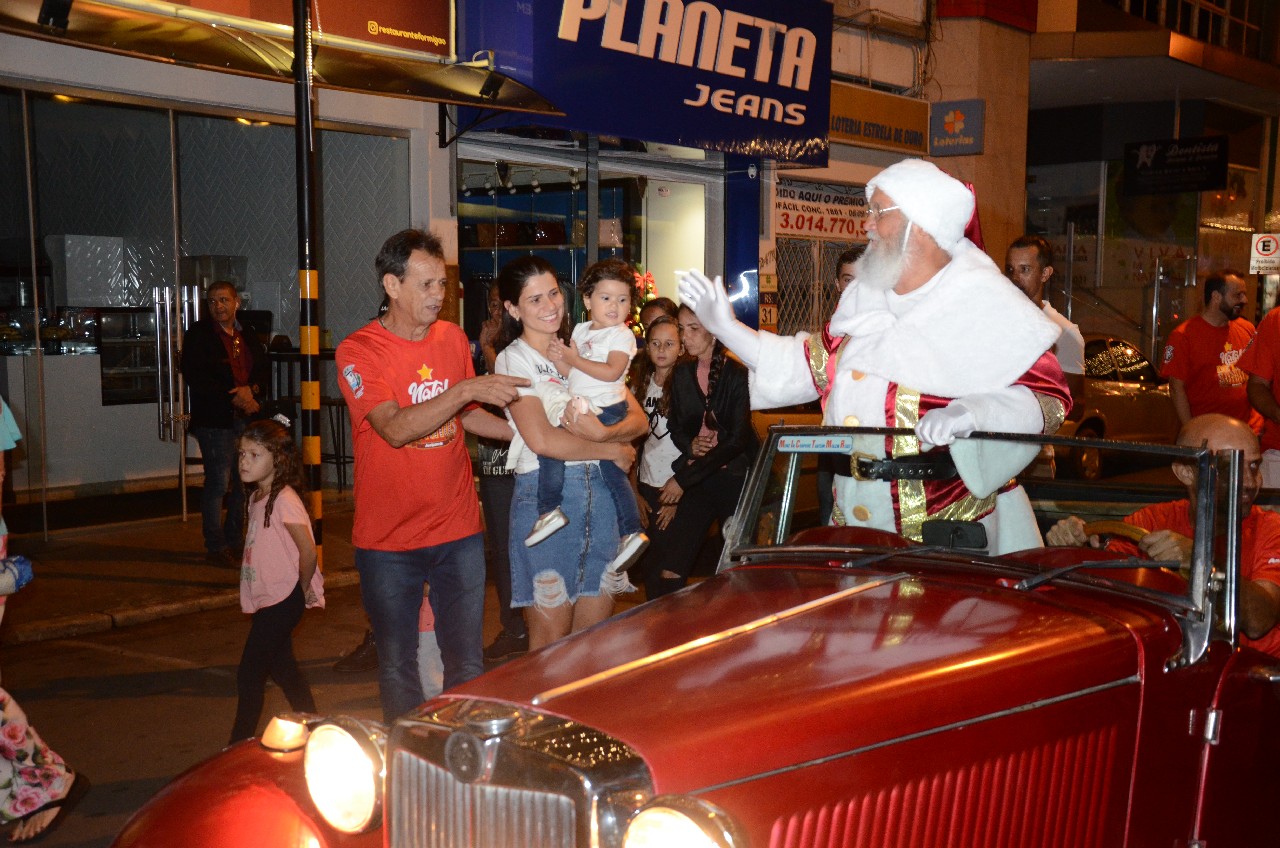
{"points": [[97, 622]]}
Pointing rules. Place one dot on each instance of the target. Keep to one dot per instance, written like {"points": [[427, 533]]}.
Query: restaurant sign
{"points": [[870, 118], [421, 25], [743, 76]]}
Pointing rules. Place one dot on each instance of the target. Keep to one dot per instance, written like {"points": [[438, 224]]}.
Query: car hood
{"points": [[799, 663]]}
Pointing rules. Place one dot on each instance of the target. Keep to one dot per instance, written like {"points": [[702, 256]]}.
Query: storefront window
{"points": [[106, 226], [652, 210], [1141, 279]]}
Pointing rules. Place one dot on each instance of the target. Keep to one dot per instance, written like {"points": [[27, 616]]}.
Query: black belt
{"points": [[924, 466]]}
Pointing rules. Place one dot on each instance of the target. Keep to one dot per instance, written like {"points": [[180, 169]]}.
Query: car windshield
{"points": [[779, 517]]}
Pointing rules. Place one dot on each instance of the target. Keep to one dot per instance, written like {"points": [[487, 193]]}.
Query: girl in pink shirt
{"points": [[279, 561]]}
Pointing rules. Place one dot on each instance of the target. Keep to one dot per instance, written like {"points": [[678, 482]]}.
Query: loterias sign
{"points": [[742, 76]]}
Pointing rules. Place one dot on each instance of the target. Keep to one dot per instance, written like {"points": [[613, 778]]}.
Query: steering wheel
{"points": [[1108, 527]]}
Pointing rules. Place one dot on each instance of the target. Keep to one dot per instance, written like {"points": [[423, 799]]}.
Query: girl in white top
{"points": [[651, 378], [278, 578]]}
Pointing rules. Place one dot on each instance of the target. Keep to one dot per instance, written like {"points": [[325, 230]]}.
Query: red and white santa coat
{"points": [[886, 359]]}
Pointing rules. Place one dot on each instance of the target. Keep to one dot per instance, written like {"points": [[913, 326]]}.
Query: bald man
{"points": [[1171, 528]]}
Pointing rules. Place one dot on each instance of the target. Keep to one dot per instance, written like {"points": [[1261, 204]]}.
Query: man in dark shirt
{"points": [[226, 369]]}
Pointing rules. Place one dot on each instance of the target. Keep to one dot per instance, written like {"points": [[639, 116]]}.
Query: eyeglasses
{"points": [[875, 214]]}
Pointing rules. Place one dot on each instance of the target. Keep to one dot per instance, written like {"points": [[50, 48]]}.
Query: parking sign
{"points": [[1265, 256]]}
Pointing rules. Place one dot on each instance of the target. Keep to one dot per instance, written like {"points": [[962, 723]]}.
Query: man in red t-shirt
{"points": [[1201, 356], [1172, 529], [1261, 362], [411, 391]]}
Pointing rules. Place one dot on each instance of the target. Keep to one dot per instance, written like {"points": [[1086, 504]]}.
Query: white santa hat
{"points": [[937, 203]]}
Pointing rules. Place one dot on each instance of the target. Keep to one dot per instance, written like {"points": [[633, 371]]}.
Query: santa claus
{"points": [[930, 337]]}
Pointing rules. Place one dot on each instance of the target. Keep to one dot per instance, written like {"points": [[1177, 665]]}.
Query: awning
{"points": [[215, 46], [1085, 68]]}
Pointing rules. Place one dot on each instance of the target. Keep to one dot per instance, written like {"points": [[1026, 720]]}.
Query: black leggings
{"points": [[268, 652], [715, 498]]}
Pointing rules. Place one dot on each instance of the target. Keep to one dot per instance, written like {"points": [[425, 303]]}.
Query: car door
{"points": [[1240, 769]]}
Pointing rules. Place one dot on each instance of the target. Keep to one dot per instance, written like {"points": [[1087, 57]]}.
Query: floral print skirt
{"points": [[31, 775]]}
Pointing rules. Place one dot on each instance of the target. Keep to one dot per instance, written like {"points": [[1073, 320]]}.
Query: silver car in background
{"points": [[1124, 398]]}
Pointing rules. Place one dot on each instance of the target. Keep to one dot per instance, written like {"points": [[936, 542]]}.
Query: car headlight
{"points": [[678, 822], [345, 766]]}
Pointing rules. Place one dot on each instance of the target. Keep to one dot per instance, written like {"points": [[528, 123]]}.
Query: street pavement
{"points": [[98, 578]]}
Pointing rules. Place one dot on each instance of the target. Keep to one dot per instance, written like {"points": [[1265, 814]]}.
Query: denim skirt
{"points": [[579, 552]]}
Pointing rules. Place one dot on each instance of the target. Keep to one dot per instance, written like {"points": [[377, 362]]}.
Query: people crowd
{"points": [[593, 445], [605, 461]]}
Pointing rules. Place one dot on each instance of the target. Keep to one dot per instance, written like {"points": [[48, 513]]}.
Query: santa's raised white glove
{"points": [[708, 300], [943, 426]]}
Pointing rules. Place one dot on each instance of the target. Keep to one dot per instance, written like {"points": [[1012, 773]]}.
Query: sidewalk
{"points": [[93, 579]]}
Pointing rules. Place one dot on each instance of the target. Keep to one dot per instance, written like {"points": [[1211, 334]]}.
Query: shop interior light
{"points": [[534, 184]]}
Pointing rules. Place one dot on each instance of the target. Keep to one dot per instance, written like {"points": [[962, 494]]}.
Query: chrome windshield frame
{"points": [[1210, 609]]}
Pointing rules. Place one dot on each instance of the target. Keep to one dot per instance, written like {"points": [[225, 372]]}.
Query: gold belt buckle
{"points": [[853, 464]]}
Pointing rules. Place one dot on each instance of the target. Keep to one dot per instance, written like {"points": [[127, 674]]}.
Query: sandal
{"points": [[64, 805]]}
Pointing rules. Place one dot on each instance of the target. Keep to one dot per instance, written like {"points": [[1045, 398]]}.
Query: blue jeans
{"points": [[391, 586], [551, 480], [221, 479]]}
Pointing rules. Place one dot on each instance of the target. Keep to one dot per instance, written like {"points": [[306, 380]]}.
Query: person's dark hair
{"points": [[393, 258], [222, 284], [1044, 250], [285, 461], [511, 282], [718, 355], [642, 369], [666, 304], [607, 269], [1216, 283], [850, 256]]}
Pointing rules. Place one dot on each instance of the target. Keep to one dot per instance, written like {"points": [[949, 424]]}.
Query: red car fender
{"points": [[244, 796]]}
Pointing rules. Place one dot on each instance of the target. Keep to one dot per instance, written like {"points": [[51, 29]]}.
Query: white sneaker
{"points": [[629, 550], [545, 526]]}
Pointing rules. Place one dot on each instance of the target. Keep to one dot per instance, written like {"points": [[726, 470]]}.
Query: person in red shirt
{"points": [[1261, 362], [1172, 529], [411, 391], [1200, 358]]}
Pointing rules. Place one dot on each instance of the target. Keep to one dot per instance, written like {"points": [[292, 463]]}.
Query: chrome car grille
{"points": [[475, 774], [446, 813]]}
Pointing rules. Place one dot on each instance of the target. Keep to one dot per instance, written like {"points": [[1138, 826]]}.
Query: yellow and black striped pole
{"points": [[308, 277]]}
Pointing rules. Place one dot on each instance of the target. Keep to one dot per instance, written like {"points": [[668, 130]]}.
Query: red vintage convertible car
{"points": [[827, 687]]}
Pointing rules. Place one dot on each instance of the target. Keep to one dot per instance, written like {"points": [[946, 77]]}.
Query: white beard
{"points": [[881, 266]]}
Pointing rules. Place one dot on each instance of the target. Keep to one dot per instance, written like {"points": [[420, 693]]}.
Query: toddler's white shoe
{"points": [[546, 524], [629, 550]]}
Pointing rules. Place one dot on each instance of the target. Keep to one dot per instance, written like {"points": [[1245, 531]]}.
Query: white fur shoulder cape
{"points": [[973, 331]]}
